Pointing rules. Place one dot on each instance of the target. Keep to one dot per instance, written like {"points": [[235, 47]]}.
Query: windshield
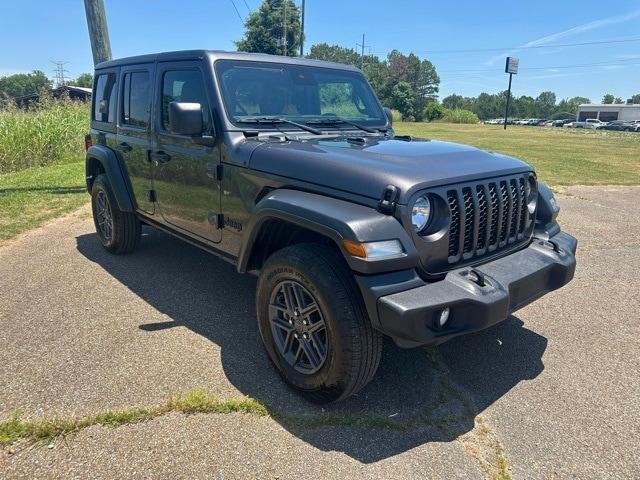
{"points": [[296, 93]]}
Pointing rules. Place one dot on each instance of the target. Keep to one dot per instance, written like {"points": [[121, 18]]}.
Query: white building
{"points": [[609, 112]]}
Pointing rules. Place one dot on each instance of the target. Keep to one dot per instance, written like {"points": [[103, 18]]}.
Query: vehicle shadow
{"points": [[431, 395]]}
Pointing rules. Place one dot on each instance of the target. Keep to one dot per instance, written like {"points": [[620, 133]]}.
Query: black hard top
{"points": [[214, 55]]}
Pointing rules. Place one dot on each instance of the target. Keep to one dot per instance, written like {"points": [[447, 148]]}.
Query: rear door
{"points": [[134, 131], [185, 183]]}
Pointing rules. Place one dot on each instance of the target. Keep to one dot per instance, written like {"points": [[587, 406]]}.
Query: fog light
{"points": [[444, 317]]}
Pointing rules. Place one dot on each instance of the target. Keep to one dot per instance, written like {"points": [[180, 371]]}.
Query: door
{"points": [[133, 139], [185, 183]]}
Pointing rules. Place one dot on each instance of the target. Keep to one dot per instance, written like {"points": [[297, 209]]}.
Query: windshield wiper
{"points": [[334, 119], [273, 120]]}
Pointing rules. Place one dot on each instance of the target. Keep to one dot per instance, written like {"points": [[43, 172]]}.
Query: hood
{"points": [[366, 169]]}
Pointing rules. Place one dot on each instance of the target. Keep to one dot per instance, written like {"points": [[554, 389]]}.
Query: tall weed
{"points": [[50, 132]]}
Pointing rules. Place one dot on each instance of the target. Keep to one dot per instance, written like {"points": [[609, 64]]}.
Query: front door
{"points": [[133, 140], [186, 188]]}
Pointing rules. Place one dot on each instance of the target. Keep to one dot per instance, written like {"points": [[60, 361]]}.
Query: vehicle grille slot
{"points": [[523, 208], [482, 217], [515, 210], [487, 216], [495, 214], [504, 200], [454, 229], [469, 214]]}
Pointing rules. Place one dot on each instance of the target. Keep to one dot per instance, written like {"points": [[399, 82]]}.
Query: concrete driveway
{"points": [[552, 392]]}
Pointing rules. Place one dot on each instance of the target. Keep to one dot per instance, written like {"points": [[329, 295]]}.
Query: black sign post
{"points": [[511, 67]]}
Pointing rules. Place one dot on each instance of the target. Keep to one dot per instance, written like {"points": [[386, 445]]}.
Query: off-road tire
{"points": [[353, 346], [125, 226]]}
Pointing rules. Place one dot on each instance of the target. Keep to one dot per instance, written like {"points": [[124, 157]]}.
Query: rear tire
{"points": [[118, 231], [330, 353]]}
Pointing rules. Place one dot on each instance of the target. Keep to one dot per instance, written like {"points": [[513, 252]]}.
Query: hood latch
{"points": [[388, 200]]}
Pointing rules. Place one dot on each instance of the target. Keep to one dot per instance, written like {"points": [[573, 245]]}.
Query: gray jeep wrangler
{"points": [[290, 169]]}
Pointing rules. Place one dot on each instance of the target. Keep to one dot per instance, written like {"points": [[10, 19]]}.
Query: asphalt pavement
{"points": [[552, 392]]}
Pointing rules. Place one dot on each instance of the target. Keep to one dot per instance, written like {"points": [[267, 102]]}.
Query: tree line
{"points": [[19, 84]]}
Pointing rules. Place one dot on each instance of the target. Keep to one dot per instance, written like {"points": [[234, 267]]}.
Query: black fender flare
{"points": [[111, 167], [332, 218]]}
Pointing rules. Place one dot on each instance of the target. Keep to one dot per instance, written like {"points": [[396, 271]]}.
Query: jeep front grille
{"points": [[487, 216]]}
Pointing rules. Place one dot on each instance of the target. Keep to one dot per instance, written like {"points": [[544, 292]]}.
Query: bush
{"points": [[434, 111], [396, 115], [50, 132], [460, 116]]}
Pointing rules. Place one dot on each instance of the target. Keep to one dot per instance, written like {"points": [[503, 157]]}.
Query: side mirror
{"points": [[185, 118], [389, 114]]}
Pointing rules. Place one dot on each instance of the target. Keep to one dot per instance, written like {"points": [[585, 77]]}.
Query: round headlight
{"points": [[420, 213]]}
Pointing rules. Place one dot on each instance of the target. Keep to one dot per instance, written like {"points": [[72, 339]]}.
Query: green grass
{"points": [[196, 401], [560, 156], [31, 197], [51, 133]]}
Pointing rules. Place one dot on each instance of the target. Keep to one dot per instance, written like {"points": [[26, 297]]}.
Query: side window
{"points": [[136, 99], [184, 86], [104, 103]]}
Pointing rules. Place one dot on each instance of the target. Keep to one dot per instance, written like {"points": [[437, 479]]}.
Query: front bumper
{"points": [[477, 297]]}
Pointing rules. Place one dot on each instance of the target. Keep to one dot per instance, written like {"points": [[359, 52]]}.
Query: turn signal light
{"points": [[374, 250]]}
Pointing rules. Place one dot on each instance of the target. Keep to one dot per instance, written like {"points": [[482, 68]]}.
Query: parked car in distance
{"points": [[620, 126], [590, 123], [560, 123], [353, 232]]}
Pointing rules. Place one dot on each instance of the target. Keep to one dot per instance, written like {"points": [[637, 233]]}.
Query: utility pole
{"points": [[302, 30], [98, 31], [284, 40], [362, 47]]}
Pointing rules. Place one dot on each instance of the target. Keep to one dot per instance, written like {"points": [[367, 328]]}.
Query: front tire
{"points": [[118, 231], [314, 325]]}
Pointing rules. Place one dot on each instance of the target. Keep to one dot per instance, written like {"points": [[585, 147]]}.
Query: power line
{"points": [[531, 47], [237, 11], [247, 5], [584, 65]]}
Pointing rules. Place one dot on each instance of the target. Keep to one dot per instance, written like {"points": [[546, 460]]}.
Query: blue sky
{"points": [[32, 33]]}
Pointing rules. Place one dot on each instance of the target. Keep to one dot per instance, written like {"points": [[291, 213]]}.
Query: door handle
{"points": [[160, 157], [124, 147]]}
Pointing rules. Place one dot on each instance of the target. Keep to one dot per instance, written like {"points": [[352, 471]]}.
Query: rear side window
{"points": [[184, 86], [104, 104], [136, 99]]}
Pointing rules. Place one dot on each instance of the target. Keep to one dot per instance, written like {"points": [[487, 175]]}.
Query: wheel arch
{"points": [[100, 159], [284, 217]]}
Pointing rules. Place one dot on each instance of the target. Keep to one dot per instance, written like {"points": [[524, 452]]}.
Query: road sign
{"points": [[512, 65]]}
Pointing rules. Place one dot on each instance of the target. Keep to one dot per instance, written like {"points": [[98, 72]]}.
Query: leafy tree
{"points": [[434, 111], [457, 102], [421, 75], [23, 84], [635, 98], [523, 107], [618, 100], [608, 98], [83, 80], [264, 29], [489, 106], [334, 53], [545, 104], [377, 72], [403, 99]]}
